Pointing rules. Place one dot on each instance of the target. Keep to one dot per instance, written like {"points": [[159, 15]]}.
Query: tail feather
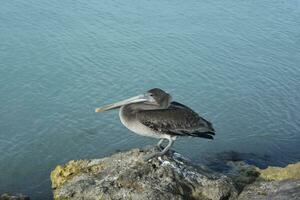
{"points": [[207, 135], [209, 125]]}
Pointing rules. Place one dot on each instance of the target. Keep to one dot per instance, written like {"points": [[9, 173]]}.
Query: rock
{"points": [[242, 174], [6, 196], [275, 190], [274, 183], [126, 176], [292, 171]]}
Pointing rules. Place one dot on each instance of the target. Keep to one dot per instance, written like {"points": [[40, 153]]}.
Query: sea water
{"points": [[236, 63]]}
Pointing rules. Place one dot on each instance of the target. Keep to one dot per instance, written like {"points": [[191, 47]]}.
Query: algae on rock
{"points": [[62, 173], [292, 171]]}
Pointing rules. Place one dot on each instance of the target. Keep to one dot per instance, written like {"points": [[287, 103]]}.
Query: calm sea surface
{"points": [[237, 63]]}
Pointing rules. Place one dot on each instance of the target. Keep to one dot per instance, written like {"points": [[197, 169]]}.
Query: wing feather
{"points": [[177, 120]]}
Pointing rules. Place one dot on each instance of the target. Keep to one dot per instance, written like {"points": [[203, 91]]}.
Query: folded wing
{"points": [[177, 120]]}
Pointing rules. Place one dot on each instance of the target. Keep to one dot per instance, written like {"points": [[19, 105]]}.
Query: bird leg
{"points": [[161, 153], [159, 143]]}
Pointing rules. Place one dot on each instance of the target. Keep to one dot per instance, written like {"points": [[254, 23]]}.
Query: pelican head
{"points": [[153, 99], [162, 99]]}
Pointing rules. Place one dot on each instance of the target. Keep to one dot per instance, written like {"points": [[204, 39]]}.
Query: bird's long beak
{"points": [[136, 99]]}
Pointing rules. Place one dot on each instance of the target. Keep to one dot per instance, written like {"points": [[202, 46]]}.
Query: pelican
{"points": [[154, 114]]}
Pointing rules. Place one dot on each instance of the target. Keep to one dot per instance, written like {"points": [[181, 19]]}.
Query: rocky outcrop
{"points": [[275, 190], [126, 176], [292, 171], [276, 183]]}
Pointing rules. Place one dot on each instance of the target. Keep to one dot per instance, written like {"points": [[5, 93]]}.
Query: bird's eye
{"points": [[151, 95]]}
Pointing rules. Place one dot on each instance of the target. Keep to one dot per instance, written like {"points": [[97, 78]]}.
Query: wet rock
{"points": [[126, 176], [242, 174], [13, 197], [248, 178]]}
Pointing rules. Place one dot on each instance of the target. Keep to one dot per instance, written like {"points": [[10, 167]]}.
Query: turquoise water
{"points": [[234, 62]]}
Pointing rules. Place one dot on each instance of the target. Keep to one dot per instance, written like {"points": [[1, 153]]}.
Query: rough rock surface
{"points": [[276, 183], [126, 176], [273, 190], [292, 171]]}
